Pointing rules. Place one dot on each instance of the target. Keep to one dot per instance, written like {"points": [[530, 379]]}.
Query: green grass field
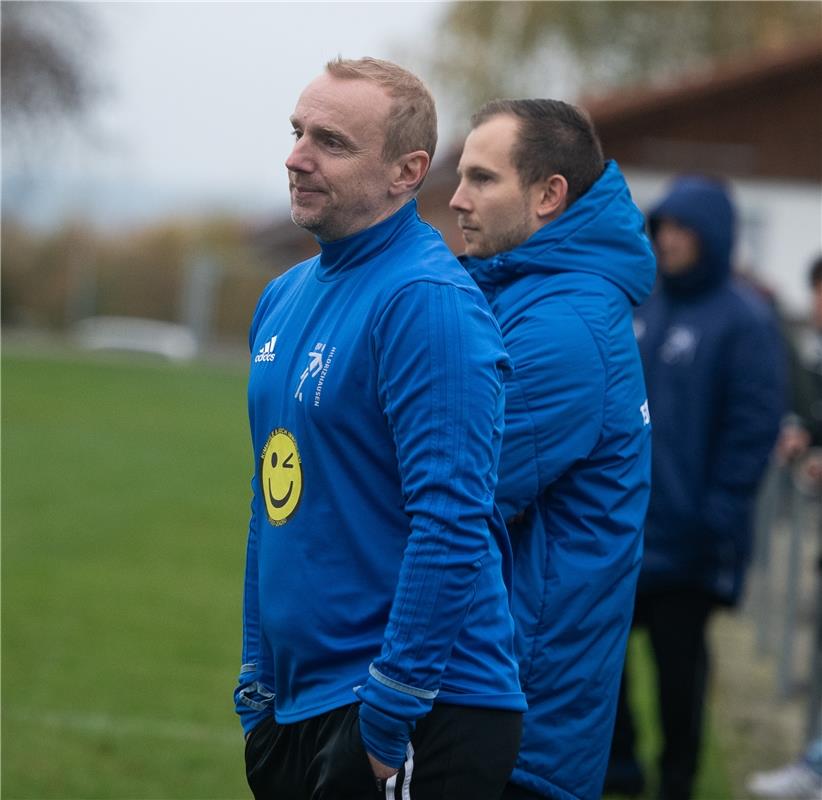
{"points": [[713, 781], [125, 497], [125, 494]]}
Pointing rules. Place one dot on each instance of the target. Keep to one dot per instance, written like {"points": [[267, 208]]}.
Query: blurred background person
{"points": [[800, 446], [802, 429], [713, 367]]}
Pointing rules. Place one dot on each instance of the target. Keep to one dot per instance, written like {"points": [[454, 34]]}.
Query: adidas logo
{"points": [[266, 353]]}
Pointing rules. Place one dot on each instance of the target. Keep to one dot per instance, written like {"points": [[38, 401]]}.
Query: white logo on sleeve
{"points": [[646, 413], [266, 351]]}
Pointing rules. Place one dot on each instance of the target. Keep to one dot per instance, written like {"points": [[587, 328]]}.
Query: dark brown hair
{"points": [[553, 138]]}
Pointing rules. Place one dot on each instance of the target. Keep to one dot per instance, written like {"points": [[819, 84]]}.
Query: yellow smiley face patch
{"points": [[281, 475]]}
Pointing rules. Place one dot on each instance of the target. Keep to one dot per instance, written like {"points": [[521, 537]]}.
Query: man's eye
{"points": [[297, 134]]}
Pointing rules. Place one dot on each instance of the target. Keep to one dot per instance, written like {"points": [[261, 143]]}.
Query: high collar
{"points": [[351, 251]]}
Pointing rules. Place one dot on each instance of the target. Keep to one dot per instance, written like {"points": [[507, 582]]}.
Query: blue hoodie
{"points": [[715, 374], [574, 472], [376, 558]]}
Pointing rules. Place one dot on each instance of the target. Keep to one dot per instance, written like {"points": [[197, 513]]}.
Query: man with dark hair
{"points": [[378, 651], [714, 366], [550, 126], [555, 242]]}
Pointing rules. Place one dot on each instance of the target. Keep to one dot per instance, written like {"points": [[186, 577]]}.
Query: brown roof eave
{"points": [[718, 85]]}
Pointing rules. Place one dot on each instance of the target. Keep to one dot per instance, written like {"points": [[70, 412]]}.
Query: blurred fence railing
{"points": [[786, 586]]}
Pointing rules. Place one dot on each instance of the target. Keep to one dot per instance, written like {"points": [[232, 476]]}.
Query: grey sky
{"points": [[199, 99]]}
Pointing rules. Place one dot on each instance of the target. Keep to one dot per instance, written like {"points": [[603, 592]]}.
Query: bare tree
{"points": [[489, 49], [45, 67]]}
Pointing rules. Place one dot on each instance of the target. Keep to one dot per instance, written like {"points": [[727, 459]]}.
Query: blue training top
{"points": [[377, 560]]}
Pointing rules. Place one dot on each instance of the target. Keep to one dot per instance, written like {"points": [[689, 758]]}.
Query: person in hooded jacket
{"points": [[714, 367], [555, 242]]}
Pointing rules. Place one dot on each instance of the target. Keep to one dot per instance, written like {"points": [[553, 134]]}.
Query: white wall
{"points": [[780, 230]]}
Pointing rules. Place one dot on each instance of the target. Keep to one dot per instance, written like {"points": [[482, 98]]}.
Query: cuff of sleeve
{"points": [[385, 737], [387, 718], [253, 700]]}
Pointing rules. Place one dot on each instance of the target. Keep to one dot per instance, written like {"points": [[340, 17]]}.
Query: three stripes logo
{"points": [[267, 352]]}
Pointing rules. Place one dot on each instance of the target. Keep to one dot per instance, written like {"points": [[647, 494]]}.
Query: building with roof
{"points": [[756, 122]]}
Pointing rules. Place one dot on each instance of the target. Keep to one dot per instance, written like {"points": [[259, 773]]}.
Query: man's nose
{"points": [[459, 201], [299, 160]]}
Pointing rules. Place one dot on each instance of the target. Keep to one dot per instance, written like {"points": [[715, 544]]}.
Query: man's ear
{"points": [[552, 197], [409, 170]]}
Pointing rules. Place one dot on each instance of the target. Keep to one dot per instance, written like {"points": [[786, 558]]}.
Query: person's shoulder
{"points": [[433, 282], [285, 281], [656, 301], [424, 257], [748, 303], [568, 325], [750, 297], [589, 298], [293, 272]]}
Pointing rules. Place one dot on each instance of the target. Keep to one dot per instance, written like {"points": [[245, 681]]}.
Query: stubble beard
{"points": [[329, 224], [305, 219], [324, 226], [503, 241], [508, 238]]}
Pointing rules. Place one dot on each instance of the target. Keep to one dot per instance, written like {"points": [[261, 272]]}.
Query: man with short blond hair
{"points": [[412, 122], [378, 641]]}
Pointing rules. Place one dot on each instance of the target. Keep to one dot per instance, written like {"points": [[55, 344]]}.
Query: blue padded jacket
{"points": [[574, 472]]}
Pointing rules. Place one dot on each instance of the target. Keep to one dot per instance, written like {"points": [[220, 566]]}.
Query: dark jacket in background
{"points": [[714, 368]]}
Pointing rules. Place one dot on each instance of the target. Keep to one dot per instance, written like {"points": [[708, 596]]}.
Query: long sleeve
{"points": [[751, 404], [254, 693], [439, 356]]}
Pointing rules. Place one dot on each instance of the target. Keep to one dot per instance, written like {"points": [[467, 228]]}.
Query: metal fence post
{"points": [[792, 591], [813, 728], [768, 502]]}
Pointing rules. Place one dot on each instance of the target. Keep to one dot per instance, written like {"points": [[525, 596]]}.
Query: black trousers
{"points": [[676, 621], [514, 792], [456, 752]]}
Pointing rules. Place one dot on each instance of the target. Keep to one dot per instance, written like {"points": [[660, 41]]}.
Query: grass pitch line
{"points": [[113, 725]]}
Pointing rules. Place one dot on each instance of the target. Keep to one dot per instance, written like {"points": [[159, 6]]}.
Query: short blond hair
{"points": [[412, 120]]}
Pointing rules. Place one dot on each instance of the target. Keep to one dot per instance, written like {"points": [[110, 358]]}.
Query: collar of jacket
{"points": [[602, 233], [352, 251]]}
